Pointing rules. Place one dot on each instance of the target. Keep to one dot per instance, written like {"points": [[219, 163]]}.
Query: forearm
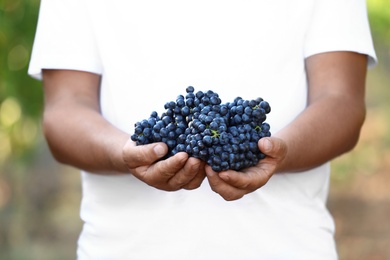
{"points": [[74, 128], [83, 139], [312, 142]]}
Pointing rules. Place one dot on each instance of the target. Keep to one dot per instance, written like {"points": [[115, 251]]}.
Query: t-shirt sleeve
{"points": [[340, 25], [64, 39]]}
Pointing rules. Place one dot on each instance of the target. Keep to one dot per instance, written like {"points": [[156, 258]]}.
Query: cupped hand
{"points": [[177, 172], [233, 185]]}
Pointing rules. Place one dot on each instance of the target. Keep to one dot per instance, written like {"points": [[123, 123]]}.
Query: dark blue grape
{"points": [[265, 105]]}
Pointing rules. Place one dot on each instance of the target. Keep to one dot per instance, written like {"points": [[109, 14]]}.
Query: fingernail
{"points": [[209, 172], [267, 144], [224, 176], [159, 150]]}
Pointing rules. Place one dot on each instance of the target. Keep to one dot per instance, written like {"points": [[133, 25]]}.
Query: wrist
{"points": [[116, 155]]}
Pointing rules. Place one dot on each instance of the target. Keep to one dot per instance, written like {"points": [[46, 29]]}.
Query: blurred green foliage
{"points": [[20, 95], [379, 14], [34, 204]]}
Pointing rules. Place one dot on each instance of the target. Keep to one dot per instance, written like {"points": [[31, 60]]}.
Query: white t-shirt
{"points": [[148, 52]]}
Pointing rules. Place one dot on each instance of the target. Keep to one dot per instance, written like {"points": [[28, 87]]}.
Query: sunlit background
{"points": [[40, 199]]}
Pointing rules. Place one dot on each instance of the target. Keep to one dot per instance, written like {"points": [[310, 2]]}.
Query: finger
{"points": [[164, 170], [273, 147], [198, 179], [249, 179], [136, 156], [218, 185], [186, 174], [158, 174]]}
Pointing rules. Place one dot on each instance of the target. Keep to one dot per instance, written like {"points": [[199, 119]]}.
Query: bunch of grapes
{"points": [[223, 135]]}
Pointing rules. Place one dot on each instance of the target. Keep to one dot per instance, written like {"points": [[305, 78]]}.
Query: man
{"points": [[106, 65]]}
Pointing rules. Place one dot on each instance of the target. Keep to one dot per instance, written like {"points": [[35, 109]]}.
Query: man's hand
{"points": [[233, 185], [174, 173]]}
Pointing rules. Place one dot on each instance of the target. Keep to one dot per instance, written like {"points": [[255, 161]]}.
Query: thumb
{"points": [[272, 147], [141, 155]]}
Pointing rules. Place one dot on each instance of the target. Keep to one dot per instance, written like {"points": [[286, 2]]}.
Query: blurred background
{"points": [[40, 199]]}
